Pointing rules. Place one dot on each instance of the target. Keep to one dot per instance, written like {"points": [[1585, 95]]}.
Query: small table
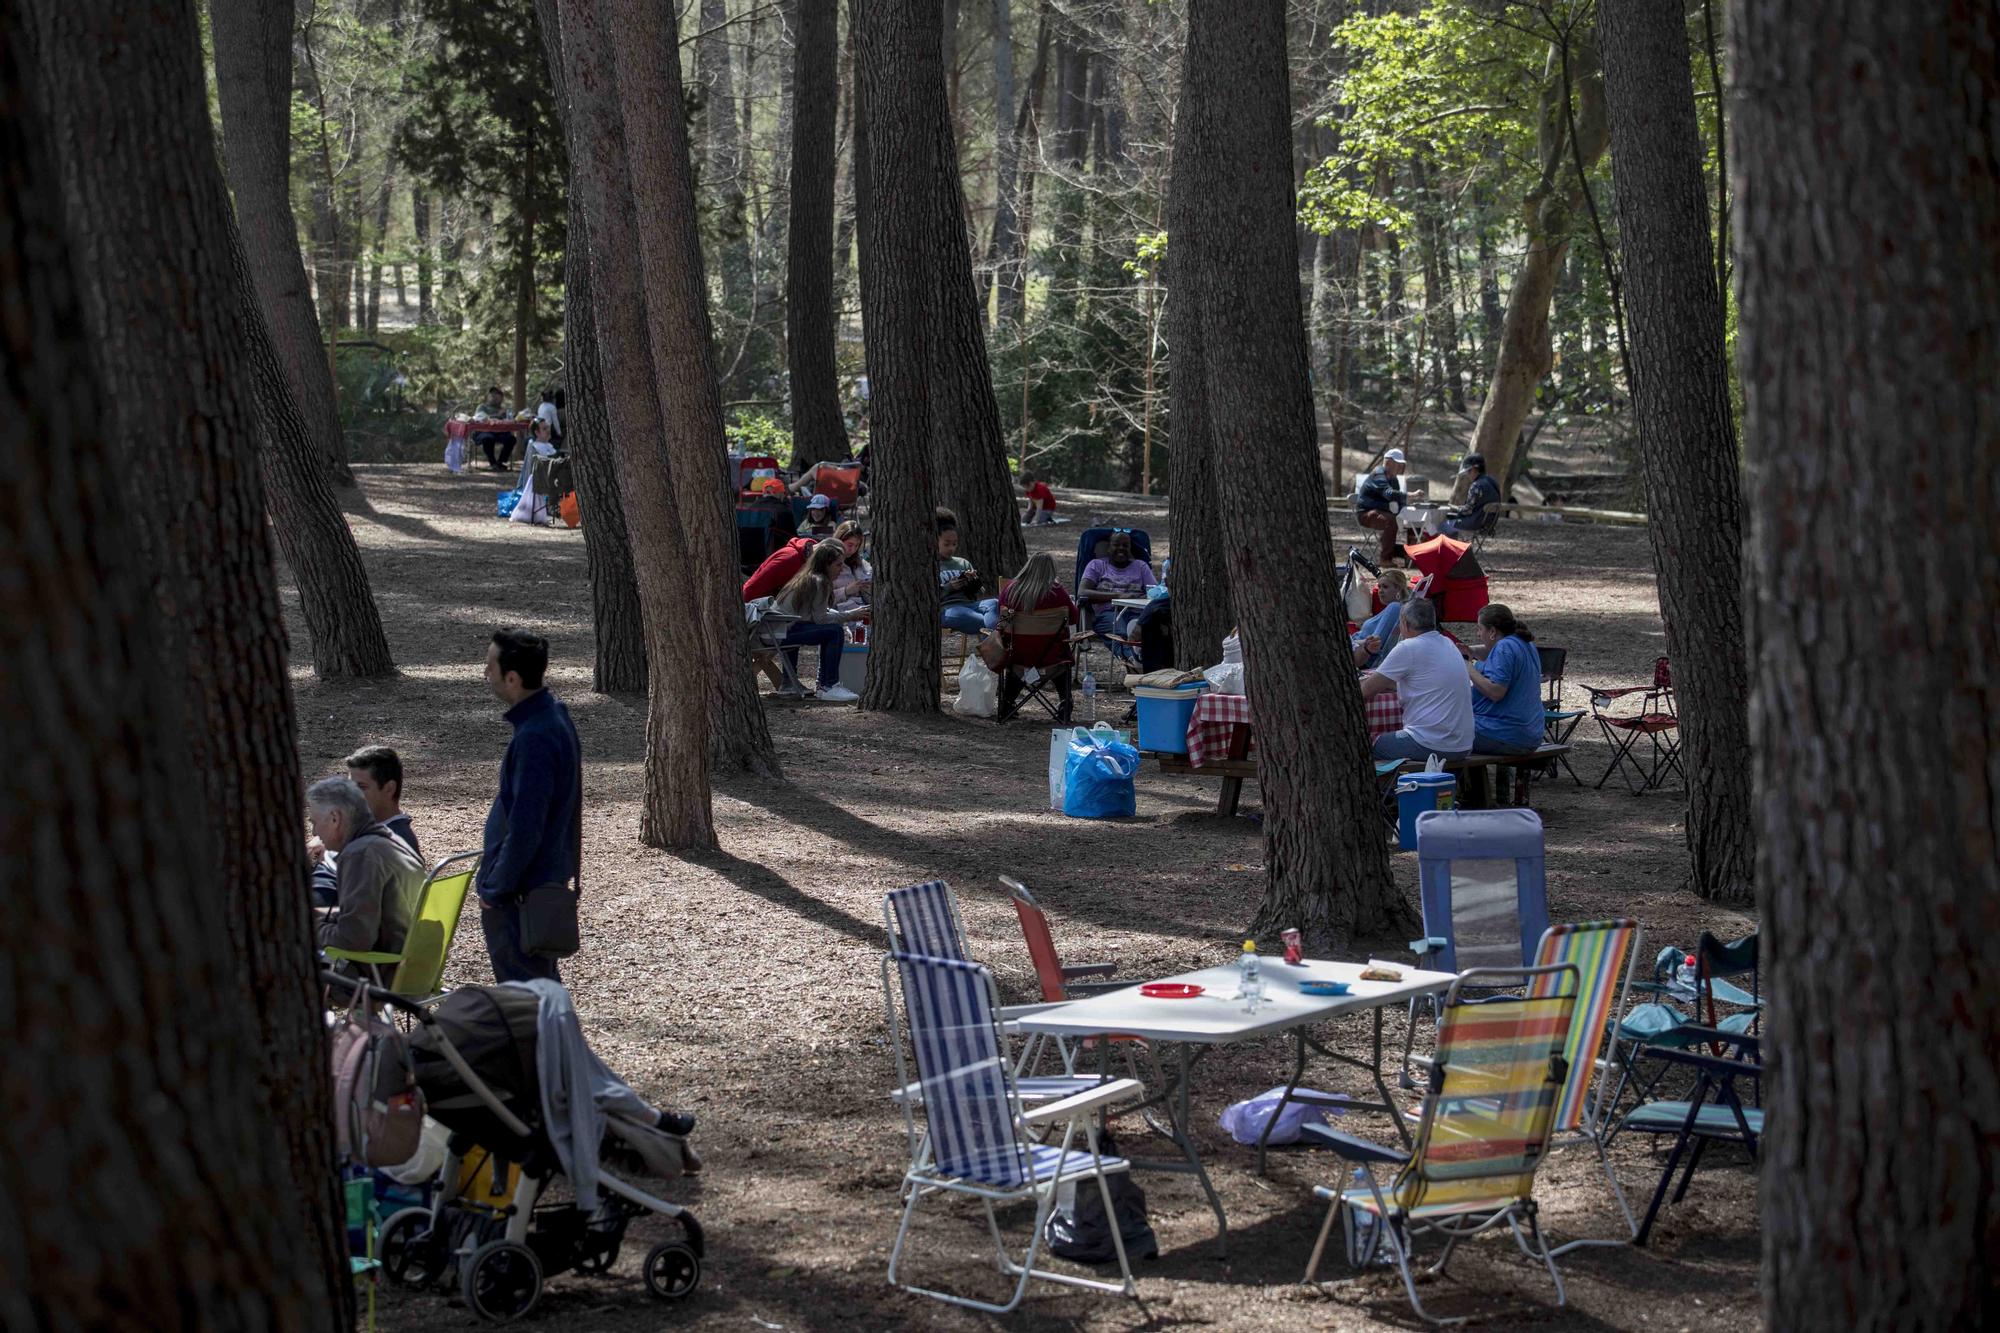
{"points": [[1194, 1027], [1424, 516], [1132, 603]]}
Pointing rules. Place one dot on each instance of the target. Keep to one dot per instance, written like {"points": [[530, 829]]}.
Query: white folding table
{"points": [[1216, 1018]]}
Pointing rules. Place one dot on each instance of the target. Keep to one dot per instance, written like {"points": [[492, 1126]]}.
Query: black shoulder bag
{"points": [[548, 911]]}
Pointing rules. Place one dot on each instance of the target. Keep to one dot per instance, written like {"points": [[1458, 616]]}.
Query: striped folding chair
{"points": [[923, 919], [1495, 1084], [978, 1141], [1603, 954]]}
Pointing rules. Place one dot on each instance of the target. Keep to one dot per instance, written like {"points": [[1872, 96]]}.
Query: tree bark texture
{"points": [[109, 1183], [1013, 214], [1329, 870], [253, 83], [1867, 188], [1688, 451], [120, 98], [677, 811], [662, 176], [1523, 356], [1203, 615], [899, 86], [722, 150], [818, 432], [343, 624], [617, 620]]}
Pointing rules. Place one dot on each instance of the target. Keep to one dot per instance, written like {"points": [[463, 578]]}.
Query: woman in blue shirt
{"points": [[1506, 674]]}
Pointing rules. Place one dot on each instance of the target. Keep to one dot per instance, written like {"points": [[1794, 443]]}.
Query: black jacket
{"points": [[1378, 491]]}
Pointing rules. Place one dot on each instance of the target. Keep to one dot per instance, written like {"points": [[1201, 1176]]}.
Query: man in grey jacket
{"points": [[379, 876]]}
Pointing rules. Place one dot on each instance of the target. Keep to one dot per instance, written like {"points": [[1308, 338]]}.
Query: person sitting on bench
{"points": [[1506, 674], [1375, 638], [1425, 672], [1482, 499], [1113, 575], [494, 409], [1379, 499]]}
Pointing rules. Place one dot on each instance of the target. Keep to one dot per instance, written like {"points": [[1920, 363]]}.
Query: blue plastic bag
{"points": [[505, 504], [1097, 780]]}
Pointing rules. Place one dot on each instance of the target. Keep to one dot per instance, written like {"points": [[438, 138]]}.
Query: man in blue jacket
{"points": [[531, 832], [1482, 502], [1378, 501]]}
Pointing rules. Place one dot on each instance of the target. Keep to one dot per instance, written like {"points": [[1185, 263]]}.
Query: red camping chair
{"points": [[1453, 578], [1059, 983], [840, 483], [1655, 722]]}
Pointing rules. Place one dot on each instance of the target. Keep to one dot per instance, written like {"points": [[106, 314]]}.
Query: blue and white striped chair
{"points": [[923, 920], [979, 1137]]}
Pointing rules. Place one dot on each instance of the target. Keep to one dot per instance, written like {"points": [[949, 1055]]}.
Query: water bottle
{"points": [[1089, 697], [1252, 988], [1361, 1223], [1684, 975]]}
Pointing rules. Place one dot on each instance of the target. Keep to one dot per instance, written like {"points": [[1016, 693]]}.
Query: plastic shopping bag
{"points": [[454, 455], [1245, 1120], [505, 503], [978, 689], [1097, 778]]}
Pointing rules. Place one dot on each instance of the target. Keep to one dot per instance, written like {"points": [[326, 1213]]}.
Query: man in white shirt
{"points": [[1426, 671]]}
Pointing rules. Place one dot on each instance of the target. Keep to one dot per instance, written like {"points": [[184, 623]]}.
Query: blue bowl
{"points": [[1324, 988]]}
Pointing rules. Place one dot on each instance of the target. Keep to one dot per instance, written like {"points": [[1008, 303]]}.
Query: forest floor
{"points": [[744, 987]]}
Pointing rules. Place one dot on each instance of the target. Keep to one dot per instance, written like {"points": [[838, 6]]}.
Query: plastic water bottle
{"points": [[1089, 697], [1684, 975], [1361, 1222], [1252, 988]]}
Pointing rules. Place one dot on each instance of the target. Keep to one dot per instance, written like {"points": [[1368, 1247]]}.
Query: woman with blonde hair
{"points": [[1371, 643], [1035, 589], [809, 597]]}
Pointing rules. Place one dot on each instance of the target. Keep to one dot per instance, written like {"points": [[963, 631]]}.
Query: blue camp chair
{"points": [[1483, 879], [1092, 543], [1679, 1017]]}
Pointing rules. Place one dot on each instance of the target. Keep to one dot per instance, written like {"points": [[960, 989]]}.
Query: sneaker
{"points": [[838, 694], [790, 692]]}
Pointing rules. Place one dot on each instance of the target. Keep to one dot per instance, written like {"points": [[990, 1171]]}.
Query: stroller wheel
{"points": [[672, 1270], [502, 1281], [412, 1255]]}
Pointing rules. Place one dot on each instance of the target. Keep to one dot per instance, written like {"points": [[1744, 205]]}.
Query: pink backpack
{"points": [[378, 1110]]}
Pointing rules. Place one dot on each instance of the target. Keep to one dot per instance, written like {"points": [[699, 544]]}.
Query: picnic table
{"points": [[1220, 738], [1194, 1027]]}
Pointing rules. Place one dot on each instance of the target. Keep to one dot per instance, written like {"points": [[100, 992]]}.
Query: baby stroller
{"points": [[478, 1061]]}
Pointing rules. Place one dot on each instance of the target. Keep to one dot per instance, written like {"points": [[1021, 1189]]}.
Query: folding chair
{"points": [[978, 1135], [1486, 1121], [1049, 657], [1713, 1111], [1603, 953], [358, 1192], [1658, 1024], [1558, 723], [923, 919], [764, 631], [1656, 723], [433, 923], [1482, 876]]}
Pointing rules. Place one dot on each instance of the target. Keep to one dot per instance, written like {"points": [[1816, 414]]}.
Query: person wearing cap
{"points": [[1379, 499], [820, 520], [1482, 499]]}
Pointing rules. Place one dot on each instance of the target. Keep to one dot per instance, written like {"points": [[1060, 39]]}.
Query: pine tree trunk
{"points": [[1328, 868], [120, 105], [420, 227], [1523, 355], [1687, 435], [616, 616], [524, 274], [253, 78], [844, 197], [677, 810], [900, 92], [1867, 190], [722, 149], [662, 176], [1014, 217], [1006, 146], [818, 432]]}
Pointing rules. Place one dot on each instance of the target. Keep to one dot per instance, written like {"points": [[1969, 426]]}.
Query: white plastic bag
{"points": [[454, 455], [1434, 764], [1058, 762], [978, 689]]}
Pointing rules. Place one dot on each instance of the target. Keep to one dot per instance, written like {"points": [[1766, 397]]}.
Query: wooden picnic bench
{"points": [[1474, 794]]}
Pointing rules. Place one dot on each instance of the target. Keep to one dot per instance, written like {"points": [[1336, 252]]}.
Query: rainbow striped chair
{"points": [[1496, 1081], [1603, 953]]}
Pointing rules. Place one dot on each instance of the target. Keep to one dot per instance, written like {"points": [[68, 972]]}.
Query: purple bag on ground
{"points": [[1245, 1121]]}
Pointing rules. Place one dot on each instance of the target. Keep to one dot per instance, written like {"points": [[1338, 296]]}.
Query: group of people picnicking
{"points": [[1457, 700], [499, 444], [1379, 502], [367, 864]]}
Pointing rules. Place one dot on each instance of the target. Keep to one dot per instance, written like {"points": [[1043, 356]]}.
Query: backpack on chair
{"points": [[378, 1109]]}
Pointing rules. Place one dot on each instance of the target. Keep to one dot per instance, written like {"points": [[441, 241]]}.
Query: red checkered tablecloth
{"points": [[1213, 726], [1385, 714]]}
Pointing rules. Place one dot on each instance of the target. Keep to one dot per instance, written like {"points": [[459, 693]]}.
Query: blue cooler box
{"points": [[1416, 793], [1164, 714], [854, 666]]}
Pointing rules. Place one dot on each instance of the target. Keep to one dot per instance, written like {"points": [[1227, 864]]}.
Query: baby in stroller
{"points": [[527, 1104]]}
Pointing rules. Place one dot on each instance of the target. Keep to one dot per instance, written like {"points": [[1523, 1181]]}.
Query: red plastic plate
{"points": [[1169, 990]]}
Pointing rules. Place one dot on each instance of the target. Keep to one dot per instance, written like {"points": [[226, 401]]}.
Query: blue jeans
{"points": [[1453, 527], [1401, 745], [827, 638], [1485, 742], [969, 618], [502, 924]]}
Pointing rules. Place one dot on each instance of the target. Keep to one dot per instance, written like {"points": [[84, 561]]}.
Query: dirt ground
{"points": [[744, 986]]}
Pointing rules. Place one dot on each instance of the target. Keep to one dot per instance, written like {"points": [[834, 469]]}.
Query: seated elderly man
{"points": [[379, 876], [1379, 501], [1481, 501], [1427, 673]]}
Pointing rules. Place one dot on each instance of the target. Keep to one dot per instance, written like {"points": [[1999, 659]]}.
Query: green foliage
{"points": [[758, 433]]}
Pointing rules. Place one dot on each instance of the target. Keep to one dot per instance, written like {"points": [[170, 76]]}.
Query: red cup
{"points": [[1294, 953]]}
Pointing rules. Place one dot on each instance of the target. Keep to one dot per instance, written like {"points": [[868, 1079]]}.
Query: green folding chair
{"points": [[364, 1217], [420, 966]]}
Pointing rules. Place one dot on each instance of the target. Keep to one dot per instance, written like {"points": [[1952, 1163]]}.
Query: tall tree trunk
{"points": [[1006, 147], [1868, 366], [253, 79], [120, 102], [1523, 355], [722, 150], [1008, 253], [1687, 435], [844, 195], [420, 228], [110, 1182], [677, 809], [900, 89], [1328, 868], [524, 275], [1492, 317], [658, 156], [818, 432], [376, 245], [617, 619]]}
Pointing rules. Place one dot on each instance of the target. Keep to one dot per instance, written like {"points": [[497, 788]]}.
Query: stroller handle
{"points": [[335, 980]]}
